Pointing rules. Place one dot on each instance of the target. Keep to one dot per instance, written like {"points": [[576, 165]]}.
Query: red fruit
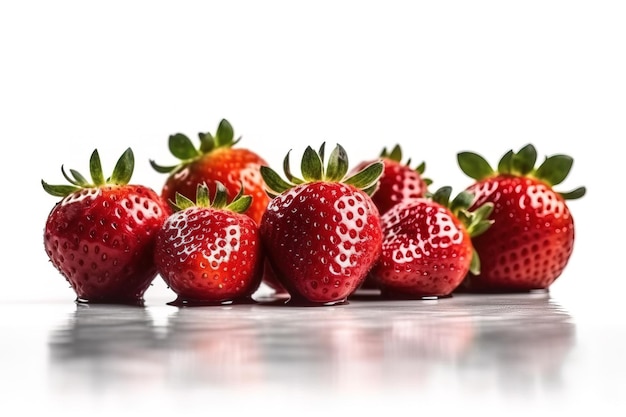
{"points": [[427, 248], [532, 238], [398, 181], [209, 252], [322, 234], [215, 160], [101, 235]]}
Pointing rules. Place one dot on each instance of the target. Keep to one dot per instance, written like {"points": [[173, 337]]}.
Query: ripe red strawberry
{"points": [[398, 181], [322, 233], [427, 248], [101, 235], [532, 238], [208, 251], [216, 159]]}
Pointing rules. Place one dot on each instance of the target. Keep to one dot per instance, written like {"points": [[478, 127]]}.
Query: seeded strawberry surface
{"points": [[321, 239], [231, 167], [532, 237], [102, 241], [209, 251], [210, 255], [397, 183], [216, 159], [426, 251]]}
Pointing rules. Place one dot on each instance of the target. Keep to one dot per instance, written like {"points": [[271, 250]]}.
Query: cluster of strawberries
{"points": [[225, 222]]}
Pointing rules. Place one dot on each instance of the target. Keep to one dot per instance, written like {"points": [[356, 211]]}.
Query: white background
{"points": [[436, 77]]}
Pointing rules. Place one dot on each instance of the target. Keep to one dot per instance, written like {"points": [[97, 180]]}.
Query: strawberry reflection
{"points": [[522, 345], [102, 344], [213, 345], [498, 343]]}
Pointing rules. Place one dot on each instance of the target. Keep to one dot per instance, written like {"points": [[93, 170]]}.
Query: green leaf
{"points": [[225, 134], [337, 167], [287, 168], [162, 169], [480, 227], [484, 211], [207, 142], [442, 196], [221, 195], [463, 200], [123, 171], [524, 161], [182, 148], [202, 195], [59, 190], [367, 177], [421, 168], [371, 189], [396, 153], [475, 263], [574, 194], [95, 169], [505, 165], [554, 169], [273, 181], [474, 165], [322, 152], [183, 202], [240, 205], [311, 167], [76, 179]]}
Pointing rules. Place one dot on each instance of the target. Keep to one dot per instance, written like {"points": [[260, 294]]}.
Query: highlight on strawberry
{"points": [[321, 232], [208, 251], [100, 236], [532, 238], [398, 181], [427, 245], [217, 158]]}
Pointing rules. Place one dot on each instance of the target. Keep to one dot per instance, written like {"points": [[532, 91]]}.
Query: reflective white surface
{"points": [[436, 77], [483, 353]]}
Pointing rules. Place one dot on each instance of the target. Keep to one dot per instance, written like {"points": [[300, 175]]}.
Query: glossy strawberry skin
{"points": [[209, 255], [426, 251], [228, 166], [397, 183], [322, 239], [102, 241], [531, 239]]}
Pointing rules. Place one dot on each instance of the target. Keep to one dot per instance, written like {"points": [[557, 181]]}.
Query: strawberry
{"points": [[101, 235], [532, 237], [216, 159], [208, 252], [427, 248], [322, 233], [398, 181]]}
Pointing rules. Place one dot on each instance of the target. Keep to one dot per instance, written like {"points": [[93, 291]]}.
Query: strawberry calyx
{"points": [[313, 170], [475, 222], [182, 148], [396, 155], [553, 170], [121, 175], [239, 204]]}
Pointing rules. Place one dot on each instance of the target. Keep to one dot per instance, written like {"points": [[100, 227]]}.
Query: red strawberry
{"points": [[427, 248], [101, 235], [532, 238], [322, 234], [209, 252], [398, 181], [215, 160]]}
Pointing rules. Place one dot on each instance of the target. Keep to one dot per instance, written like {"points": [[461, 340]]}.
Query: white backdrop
{"points": [[435, 77]]}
